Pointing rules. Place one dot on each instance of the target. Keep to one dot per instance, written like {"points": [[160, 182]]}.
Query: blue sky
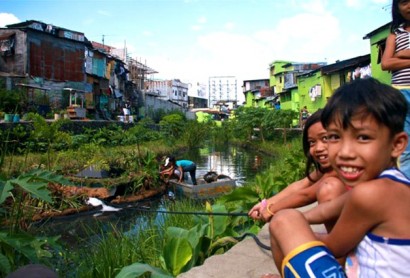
{"points": [[194, 39]]}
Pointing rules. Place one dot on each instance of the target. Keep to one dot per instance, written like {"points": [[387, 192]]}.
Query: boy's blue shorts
{"points": [[311, 259]]}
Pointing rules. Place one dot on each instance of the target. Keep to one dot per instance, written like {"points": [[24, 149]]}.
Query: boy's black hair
{"points": [[313, 119], [397, 19], [370, 97]]}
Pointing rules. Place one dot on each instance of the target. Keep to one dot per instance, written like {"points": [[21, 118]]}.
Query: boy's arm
{"points": [[360, 214], [326, 211], [390, 61]]}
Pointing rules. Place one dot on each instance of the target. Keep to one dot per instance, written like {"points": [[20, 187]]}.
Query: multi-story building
{"points": [[222, 90], [258, 93], [284, 78], [169, 90], [197, 95]]}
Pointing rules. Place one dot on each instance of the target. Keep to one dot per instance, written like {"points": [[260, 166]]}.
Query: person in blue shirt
{"points": [[184, 166]]}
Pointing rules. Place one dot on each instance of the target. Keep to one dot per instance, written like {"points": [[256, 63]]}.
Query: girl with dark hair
{"points": [[320, 185], [396, 58]]}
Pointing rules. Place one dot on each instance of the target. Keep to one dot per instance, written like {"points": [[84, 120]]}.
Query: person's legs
{"points": [[192, 172], [296, 250], [288, 229], [405, 157]]}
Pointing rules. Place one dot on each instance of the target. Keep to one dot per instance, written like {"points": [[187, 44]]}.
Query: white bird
{"points": [[97, 202]]}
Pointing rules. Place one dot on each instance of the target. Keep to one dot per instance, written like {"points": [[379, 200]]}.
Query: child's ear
{"points": [[400, 142]]}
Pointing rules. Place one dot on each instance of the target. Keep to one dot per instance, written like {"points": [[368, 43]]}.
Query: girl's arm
{"points": [[291, 189], [295, 187], [403, 54], [181, 173], [390, 61]]}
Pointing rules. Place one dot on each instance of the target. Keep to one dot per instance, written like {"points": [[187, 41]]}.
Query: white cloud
{"points": [[229, 26], [301, 38], [202, 20], [304, 37], [196, 27], [7, 18]]}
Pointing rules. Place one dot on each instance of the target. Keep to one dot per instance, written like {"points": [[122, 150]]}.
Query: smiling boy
{"points": [[364, 120]]}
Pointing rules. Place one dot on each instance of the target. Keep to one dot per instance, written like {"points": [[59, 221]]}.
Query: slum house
{"points": [[110, 79], [315, 87], [55, 65], [258, 93], [40, 55]]}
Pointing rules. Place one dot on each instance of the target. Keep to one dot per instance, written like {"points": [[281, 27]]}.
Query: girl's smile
{"points": [[318, 145]]}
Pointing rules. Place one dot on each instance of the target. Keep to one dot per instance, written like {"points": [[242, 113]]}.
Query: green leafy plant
{"points": [[186, 248], [48, 137], [17, 247], [195, 134], [172, 126]]}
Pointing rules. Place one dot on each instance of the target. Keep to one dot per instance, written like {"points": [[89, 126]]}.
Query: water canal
{"points": [[238, 163]]}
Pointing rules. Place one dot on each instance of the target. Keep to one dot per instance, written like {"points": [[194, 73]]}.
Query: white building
{"points": [[222, 89], [172, 90], [198, 95]]}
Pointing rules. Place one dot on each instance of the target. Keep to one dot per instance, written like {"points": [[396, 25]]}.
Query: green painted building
{"points": [[317, 86], [377, 45], [258, 93], [311, 84], [284, 81]]}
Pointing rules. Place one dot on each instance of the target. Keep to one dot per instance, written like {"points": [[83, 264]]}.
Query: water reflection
{"points": [[238, 163]]}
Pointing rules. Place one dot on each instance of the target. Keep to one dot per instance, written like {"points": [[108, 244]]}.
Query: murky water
{"points": [[238, 163]]}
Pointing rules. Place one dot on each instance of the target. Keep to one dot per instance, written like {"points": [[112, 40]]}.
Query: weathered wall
{"points": [[55, 58], [14, 63]]}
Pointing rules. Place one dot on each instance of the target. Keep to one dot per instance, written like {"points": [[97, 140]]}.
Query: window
{"points": [[381, 46]]}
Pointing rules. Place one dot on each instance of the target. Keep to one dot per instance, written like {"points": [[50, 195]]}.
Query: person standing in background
{"points": [[127, 111], [396, 58], [304, 114]]}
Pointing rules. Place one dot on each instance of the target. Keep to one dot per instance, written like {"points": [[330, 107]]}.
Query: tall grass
{"points": [[143, 243]]}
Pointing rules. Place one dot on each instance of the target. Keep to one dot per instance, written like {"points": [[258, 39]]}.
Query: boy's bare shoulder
{"points": [[375, 193]]}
